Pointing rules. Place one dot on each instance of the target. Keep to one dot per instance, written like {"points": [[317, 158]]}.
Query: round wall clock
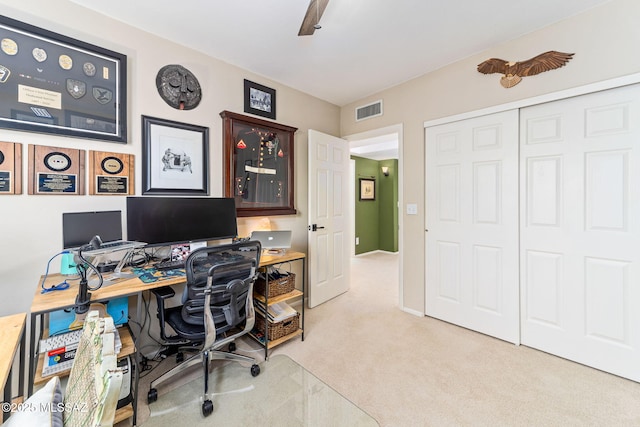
{"points": [[178, 87]]}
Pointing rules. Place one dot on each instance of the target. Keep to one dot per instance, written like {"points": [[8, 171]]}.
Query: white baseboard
{"points": [[414, 312], [376, 251]]}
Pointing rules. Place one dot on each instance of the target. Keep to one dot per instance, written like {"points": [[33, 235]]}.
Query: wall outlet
{"points": [[357, 240]]}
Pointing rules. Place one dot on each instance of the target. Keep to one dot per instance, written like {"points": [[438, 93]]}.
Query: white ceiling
{"points": [[379, 148], [364, 46]]}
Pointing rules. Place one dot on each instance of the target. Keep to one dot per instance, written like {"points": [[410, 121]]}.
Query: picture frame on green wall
{"points": [[367, 189]]}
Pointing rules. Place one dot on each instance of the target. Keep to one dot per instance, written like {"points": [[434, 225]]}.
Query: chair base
{"points": [[205, 357]]}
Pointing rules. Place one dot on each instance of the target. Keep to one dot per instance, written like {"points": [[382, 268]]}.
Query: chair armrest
{"points": [[164, 292]]}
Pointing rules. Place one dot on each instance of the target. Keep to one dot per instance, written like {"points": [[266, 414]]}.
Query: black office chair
{"points": [[217, 308]]}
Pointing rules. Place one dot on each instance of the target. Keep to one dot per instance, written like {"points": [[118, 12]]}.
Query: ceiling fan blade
{"points": [[312, 17]]}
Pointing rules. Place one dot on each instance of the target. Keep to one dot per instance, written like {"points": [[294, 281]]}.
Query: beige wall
{"points": [[30, 226], [605, 41]]}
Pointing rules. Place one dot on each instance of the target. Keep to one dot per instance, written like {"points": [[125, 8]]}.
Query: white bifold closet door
{"points": [[472, 222], [580, 229]]}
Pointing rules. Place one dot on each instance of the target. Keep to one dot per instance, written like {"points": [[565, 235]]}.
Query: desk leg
{"points": [[7, 395], [266, 319], [23, 341], [33, 352], [136, 360], [304, 282]]}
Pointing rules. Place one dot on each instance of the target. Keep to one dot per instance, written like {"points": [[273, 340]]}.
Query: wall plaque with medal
{"points": [[55, 84], [10, 168], [54, 170], [111, 173]]}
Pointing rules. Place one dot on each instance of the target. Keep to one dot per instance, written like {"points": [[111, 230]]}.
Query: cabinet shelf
{"points": [[280, 298], [273, 343], [128, 348], [283, 339], [123, 413]]}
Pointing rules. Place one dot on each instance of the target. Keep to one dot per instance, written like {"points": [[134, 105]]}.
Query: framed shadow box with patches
{"points": [[258, 165], [54, 84]]}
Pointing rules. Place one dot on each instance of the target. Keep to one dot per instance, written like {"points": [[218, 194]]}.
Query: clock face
{"points": [[178, 87]]}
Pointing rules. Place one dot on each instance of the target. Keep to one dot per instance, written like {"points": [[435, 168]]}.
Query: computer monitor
{"points": [[162, 221], [78, 228]]}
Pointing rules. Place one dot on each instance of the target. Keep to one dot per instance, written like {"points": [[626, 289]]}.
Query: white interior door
{"points": [[580, 225], [328, 235], [472, 222]]}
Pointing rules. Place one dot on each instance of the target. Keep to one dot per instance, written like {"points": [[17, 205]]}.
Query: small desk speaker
{"points": [[67, 265]]}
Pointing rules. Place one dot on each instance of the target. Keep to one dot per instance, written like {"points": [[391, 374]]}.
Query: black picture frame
{"points": [[54, 84], [175, 157], [259, 100], [367, 189], [258, 165]]}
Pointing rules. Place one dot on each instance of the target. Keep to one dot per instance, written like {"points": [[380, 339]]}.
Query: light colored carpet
{"points": [[409, 371]]}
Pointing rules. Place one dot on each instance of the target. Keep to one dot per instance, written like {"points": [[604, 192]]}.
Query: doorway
{"points": [[380, 145]]}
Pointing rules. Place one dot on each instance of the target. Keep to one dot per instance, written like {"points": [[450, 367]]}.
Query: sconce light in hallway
{"points": [[385, 170]]}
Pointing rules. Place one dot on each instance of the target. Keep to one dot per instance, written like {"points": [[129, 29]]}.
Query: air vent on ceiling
{"points": [[368, 111]]}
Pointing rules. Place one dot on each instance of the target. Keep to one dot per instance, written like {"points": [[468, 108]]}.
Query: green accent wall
{"points": [[376, 221]]}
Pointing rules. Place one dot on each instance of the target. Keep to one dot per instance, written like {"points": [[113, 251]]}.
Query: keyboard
{"points": [[59, 341], [200, 263], [170, 265], [60, 350], [57, 368]]}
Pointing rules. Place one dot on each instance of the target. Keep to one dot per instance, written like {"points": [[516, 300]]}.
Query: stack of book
{"points": [[275, 313]]}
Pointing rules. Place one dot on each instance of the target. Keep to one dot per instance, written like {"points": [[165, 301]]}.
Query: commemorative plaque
{"points": [[55, 170], [111, 173], [10, 168], [55, 84]]}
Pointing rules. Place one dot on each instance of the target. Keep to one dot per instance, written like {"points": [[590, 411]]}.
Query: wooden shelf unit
{"points": [[295, 294]]}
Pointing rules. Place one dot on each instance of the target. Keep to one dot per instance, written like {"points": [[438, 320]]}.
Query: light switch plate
{"points": [[412, 209]]}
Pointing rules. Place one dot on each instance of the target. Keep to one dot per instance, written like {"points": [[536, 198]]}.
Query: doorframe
{"points": [[398, 130]]}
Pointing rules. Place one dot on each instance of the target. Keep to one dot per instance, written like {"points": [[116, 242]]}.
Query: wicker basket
{"points": [[277, 287], [279, 329]]}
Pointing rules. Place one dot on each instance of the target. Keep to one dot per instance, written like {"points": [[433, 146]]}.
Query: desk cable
{"points": [[60, 286]]}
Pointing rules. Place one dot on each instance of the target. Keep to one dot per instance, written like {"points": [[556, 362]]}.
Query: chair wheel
{"points": [[179, 357], [255, 370], [207, 408], [232, 346], [152, 396]]}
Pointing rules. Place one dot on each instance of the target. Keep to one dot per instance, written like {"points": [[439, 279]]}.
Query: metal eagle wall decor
{"points": [[514, 71]]}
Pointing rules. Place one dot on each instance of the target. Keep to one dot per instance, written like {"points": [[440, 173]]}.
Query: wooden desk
{"points": [[57, 300], [11, 336]]}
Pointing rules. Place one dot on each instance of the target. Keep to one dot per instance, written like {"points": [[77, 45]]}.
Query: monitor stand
{"points": [[117, 275]]}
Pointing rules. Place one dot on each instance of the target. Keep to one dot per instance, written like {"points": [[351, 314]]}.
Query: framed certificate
{"points": [[54, 84]]}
